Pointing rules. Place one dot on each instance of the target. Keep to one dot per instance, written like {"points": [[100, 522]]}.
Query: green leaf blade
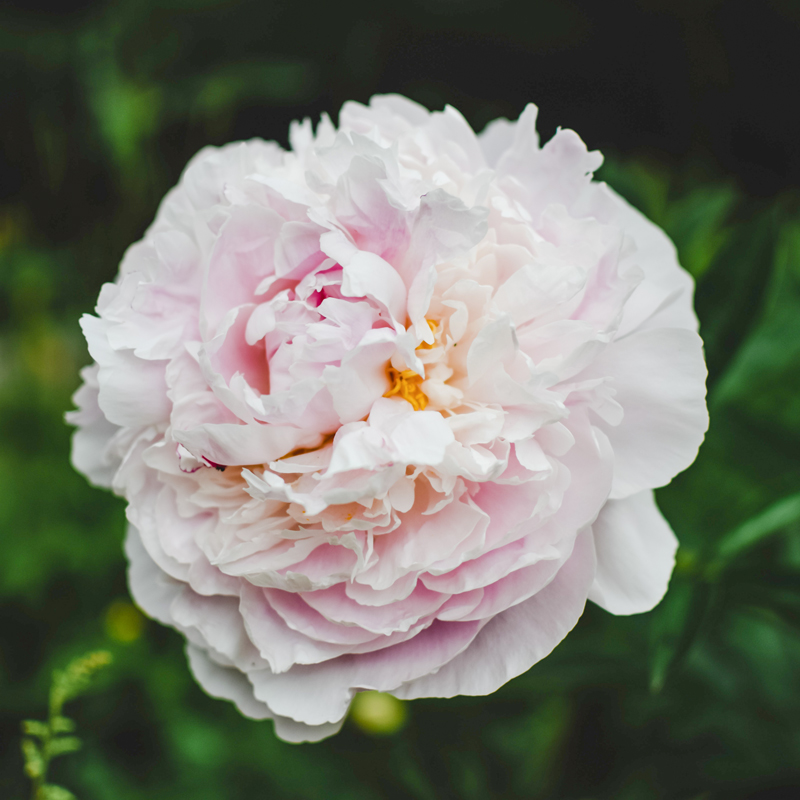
{"points": [[34, 761], [64, 744], [52, 792], [32, 727], [769, 522]]}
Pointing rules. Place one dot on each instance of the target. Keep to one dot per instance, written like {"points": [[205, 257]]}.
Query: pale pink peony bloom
{"points": [[388, 407]]}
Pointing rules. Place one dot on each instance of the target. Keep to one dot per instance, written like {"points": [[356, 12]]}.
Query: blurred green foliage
{"points": [[44, 741], [698, 699]]}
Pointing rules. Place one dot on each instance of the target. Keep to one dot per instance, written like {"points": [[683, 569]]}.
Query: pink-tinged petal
{"points": [[257, 443], [368, 275], [335, 605], [232, 353], [216, 624], [664, 298], [152, 588], [297, 250], [296, 732], [226, 684], [518, 586], [150, 530], [361, 378], [423, 541], [480, 572], [496, 343], [556, 173], [513, 641], [456, 135], [635, 555], [659, 380], [301, 617], [92, 453], [444, 227], [281, 646], [242, 257], [415, 437], [132, 391], [321, 693]]}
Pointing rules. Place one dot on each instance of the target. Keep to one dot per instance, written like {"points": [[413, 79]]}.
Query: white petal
{"points": [[635, 555], [513, 641], [321, 693], [495, 139], [91, 443], [229, 444], [659, 379], [664, 298], [226, 684], [133, 391]]}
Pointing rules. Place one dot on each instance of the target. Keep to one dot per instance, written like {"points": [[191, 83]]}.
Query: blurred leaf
{"points": [[32, 727], [729, 296], [275, 80], [763, 381], [780, 598], [52, 792], [675, 624], [535, 741], [64, 744], [773, 520], [69, 683], [34, 763], [697, 225], [62, 725]]}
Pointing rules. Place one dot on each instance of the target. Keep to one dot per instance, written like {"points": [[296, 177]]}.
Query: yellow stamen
{"points": [[433, 326], [406, 384]]}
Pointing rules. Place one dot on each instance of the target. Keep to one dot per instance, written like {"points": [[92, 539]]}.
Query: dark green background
{"points": [[694, 103]]}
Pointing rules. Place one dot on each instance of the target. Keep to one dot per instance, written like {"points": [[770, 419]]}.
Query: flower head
{"points": [[389, 406]]}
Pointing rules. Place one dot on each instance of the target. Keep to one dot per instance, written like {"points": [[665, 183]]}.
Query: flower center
{"points": [[406, 384]]}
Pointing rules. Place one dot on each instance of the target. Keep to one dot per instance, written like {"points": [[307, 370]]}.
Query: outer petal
{"points": [[133, 391], [495, 139], [91, 442], [635, 555], [664, 298], [516, 639], [230, 684], [225, 683], [659, 380], [321, 693]]}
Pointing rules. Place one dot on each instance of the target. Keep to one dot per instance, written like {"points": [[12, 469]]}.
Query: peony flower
{"points": [[388, 407]]}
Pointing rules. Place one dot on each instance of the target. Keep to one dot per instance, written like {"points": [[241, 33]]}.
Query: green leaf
{"points": [[75, 678], [771, 521], [52, 792], [774, 592], [763, 381], [733, 288], [696, 223], [34, 762], [62, 725], [64, 744], [32, 727], [676, 624]]}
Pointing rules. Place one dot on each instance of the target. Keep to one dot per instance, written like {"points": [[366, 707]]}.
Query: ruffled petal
{"points": [[635, 555]]}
